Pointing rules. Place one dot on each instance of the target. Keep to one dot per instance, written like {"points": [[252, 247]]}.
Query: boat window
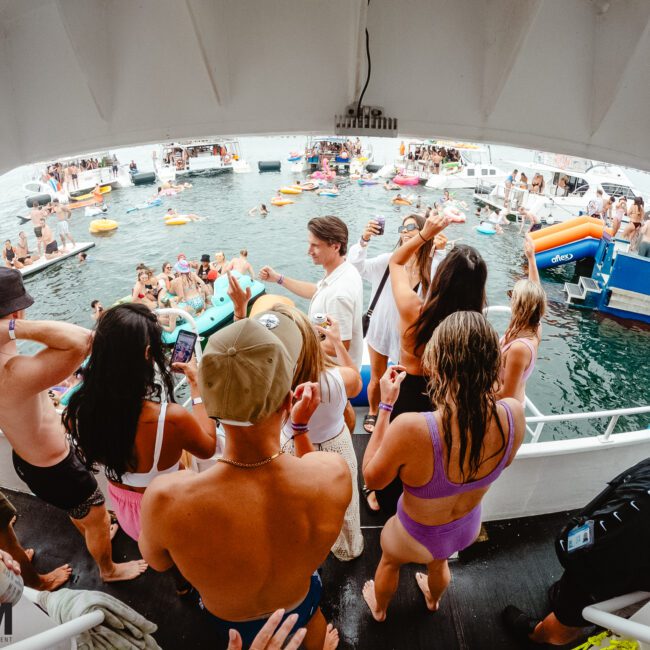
{"points": [[493, 172], [471, 172], [612, 189], [484, 172]]}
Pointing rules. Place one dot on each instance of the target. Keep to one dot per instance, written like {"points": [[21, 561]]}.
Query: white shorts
{"points": [[62, 228]]}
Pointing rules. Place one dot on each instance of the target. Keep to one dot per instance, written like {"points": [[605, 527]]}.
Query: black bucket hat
{"points": [[13, 296], [205, 257]]}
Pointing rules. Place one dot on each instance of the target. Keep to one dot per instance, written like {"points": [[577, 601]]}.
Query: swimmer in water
{"points": [[262, 209]]}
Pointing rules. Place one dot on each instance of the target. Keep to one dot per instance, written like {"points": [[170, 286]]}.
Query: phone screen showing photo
{"points": [[184, 347]]}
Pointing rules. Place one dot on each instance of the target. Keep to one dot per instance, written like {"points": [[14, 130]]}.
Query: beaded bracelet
{"points": [[281, 279], [386, 407], [299, 427]]}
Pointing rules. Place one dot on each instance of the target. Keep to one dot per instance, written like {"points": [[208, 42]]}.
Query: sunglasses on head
{"points": [[408, 228]]}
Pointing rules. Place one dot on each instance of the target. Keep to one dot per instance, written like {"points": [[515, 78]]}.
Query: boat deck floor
{"points": [[516, 564]]}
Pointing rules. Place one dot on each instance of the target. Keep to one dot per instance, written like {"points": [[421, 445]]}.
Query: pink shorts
{"points": [[126, 505]]}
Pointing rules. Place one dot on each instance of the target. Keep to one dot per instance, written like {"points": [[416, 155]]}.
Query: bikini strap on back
{"points": [[434, 433], [159, 435], [511, 432]]}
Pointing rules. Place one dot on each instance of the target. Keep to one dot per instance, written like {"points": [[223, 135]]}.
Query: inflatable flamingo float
{"points": [[326, 174]]}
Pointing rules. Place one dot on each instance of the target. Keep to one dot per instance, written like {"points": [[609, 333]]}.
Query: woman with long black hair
{"points": [[124, 416]]}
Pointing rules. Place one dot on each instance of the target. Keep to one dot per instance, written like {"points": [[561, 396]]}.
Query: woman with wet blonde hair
{"points": [[521, 341], [447, 459]]}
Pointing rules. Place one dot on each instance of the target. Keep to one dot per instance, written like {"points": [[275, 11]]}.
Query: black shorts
{"points": [[52, 247], [38, 231], [7, 511], [573, 593], [68, 485]]}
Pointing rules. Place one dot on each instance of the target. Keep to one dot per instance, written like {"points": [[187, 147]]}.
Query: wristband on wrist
{"points": [[12, 329], [386, 407], [281, 279], [364, 241], [196, 400], [422, 238], [300, 427]]}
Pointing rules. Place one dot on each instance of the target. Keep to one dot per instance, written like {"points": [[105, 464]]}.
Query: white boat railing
{"points": [[601, 614], [540, 420]]}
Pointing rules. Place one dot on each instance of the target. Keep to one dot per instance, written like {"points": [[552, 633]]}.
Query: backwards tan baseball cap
{"points": [[247, 368]]}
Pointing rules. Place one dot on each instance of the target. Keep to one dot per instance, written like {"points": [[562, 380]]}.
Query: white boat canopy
{"points": [[568, 76]]}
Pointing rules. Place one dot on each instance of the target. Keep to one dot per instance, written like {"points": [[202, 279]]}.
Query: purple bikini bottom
{"points": [[443, 541]]}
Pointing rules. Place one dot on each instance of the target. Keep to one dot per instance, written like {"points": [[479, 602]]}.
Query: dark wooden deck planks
{"points": [[516, 565]]}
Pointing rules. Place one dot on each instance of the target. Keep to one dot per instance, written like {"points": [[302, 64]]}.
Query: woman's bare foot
{"points": [[125, 571], [371, 601], [54, 579], [29, 552], [331, 638], [423, 583]]}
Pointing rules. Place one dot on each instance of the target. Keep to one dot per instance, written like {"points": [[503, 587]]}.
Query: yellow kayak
{"points": [[102, 225], [84, 197]]}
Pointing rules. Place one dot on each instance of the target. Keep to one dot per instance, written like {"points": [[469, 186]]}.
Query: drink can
{"points": [[11, 585], [318, 318], [381, 221]]}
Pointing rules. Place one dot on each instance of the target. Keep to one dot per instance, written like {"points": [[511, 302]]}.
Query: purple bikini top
{"points": [[439, 485]]}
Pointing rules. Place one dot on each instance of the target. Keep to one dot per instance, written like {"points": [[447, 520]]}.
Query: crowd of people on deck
{"points": [[430, 157], [332, 148], [65, 176], [272, 419]]}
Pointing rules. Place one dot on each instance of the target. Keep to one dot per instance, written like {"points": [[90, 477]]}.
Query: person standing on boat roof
{"points": [[42, 456], [339, 293], [473, 438], [63, 213], [251, 531]]}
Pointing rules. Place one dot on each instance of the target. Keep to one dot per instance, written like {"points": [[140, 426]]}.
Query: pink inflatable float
{"points": [[326, 174], [406, 180], [454, 214]]}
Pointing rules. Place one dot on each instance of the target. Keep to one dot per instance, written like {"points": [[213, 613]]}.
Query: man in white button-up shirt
{"points": [[340, 293]]}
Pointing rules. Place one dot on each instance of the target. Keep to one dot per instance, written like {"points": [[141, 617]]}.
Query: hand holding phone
{"points": [[184, 348]]}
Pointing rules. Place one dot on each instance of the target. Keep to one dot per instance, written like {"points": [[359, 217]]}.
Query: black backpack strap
{"points": [[380, 288]]}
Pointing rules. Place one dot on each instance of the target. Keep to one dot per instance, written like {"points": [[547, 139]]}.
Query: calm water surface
{"points": [[587, 361]]}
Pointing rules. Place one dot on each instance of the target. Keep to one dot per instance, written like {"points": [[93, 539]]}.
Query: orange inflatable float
{"points": [[567, 232]]}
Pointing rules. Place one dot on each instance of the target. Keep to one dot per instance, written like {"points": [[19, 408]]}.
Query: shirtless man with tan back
{"points": [[42, 456], [250, 532]]}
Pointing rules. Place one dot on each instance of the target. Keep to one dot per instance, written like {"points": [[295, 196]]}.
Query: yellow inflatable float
{"points": [[401, 202], [102, 225], [178, 220], [294, 189], [84, 197], [281, 202]]}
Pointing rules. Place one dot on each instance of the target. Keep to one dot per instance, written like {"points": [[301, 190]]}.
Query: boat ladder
{"points": [[579, 290]]}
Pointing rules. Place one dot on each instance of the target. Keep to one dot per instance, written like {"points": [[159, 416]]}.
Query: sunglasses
{"points": [[409, 228]]}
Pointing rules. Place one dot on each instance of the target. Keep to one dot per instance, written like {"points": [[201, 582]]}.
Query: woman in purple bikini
{"points": [[446, 459]]}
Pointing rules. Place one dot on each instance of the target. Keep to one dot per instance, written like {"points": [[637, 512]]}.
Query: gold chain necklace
{"points": [[259, 463]]}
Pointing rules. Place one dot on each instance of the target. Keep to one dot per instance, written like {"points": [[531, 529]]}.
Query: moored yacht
{"points": [[73, 176], [206, 155], [570, 183]]}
